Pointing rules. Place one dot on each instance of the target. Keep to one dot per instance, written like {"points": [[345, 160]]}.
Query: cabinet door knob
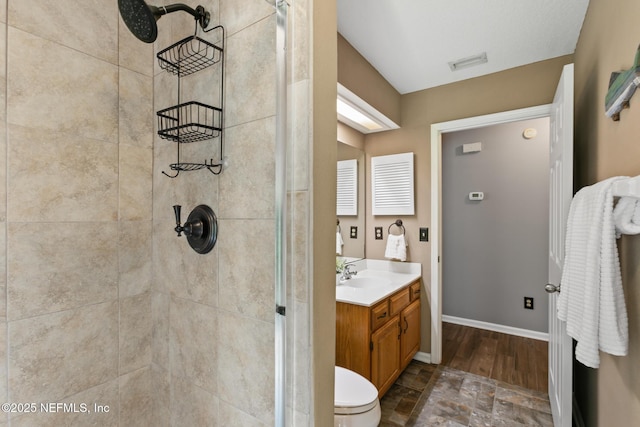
{"points": [[406, 325]]}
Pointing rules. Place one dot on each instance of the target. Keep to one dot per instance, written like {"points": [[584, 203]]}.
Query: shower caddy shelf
{"points": [[192, 121]]}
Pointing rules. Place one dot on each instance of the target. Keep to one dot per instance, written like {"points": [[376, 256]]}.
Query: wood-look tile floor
{"points": [[486, 379], [514, 360]]}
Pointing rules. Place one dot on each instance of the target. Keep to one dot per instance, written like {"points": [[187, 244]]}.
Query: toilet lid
{"points": [[354, 394]]}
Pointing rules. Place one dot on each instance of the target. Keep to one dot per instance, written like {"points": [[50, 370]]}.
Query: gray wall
{"points": [[495, 250]]}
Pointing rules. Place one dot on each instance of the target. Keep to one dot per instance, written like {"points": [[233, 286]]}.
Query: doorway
{"points": [[437, 131], [495, 210]]}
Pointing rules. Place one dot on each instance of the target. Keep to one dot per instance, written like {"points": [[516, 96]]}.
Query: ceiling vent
{"points": [[469, 62]]}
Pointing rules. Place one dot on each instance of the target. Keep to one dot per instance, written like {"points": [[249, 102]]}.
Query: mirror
{"points": [[353, 245]]}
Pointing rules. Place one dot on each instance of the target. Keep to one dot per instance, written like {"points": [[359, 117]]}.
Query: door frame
{"points": [[437, 130]]}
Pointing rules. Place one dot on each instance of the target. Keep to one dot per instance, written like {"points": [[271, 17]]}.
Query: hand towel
{"points": [[626, 215], [339, 243], [396, 247], [591, 299]]}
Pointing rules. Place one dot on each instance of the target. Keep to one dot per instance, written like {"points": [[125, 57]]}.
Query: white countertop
{"points": [[395, 274]]}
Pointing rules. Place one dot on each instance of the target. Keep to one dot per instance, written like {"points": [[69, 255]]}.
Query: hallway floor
{"points": [[445, 395]]}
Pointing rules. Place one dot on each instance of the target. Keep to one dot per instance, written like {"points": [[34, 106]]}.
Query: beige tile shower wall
{"points": [[75, 209], [299, 354], [212, 314]]}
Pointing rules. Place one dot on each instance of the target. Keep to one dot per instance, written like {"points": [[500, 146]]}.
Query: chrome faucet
{"points": [[347, 272]]}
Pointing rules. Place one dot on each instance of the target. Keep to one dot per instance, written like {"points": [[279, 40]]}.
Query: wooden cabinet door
{"points": [[410, 341], [385, 355]]}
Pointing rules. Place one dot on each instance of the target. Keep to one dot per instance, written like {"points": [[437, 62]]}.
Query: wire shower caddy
{"points": [[193, 121]]}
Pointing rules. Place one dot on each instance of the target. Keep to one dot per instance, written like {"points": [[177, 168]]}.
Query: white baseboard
{"points": [[541, 336], [422, 357]]}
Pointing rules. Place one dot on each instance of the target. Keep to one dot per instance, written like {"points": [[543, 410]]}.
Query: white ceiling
{"points": [[411, 42]]}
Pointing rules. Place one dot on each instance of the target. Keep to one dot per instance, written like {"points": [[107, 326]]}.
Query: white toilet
{"points": [[356, 401]]}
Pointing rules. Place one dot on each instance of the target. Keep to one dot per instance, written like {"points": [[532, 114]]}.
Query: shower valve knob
{"points": [[193, 228], [176, 210], [200, 228]]}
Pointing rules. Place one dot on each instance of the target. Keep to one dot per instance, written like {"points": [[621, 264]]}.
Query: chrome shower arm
{"points": [[201, 15], [141, 18]]}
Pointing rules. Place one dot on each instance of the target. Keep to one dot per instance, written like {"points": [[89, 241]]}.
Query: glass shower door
{"points": [[294, 380]]}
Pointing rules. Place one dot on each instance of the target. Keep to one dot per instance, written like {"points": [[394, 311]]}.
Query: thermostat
{"points": [[476, 195]]}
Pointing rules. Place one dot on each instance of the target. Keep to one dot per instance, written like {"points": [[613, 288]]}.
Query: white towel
{"points": [[339, 243], [626, 215], [591, 299], [396, 247]]}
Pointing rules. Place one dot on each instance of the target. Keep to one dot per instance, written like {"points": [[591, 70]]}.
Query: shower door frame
{"points": [[281, 214]]}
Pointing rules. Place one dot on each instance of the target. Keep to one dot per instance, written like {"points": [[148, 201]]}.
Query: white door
{"points": [[561, 192]]}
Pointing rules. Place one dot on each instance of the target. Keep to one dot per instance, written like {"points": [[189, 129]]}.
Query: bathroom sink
{"points": [[365, 282]]}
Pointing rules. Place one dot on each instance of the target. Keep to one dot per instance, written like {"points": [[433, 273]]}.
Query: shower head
{"points": [[141, 18]]}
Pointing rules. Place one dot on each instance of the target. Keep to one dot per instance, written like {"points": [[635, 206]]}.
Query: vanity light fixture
{"points": [[358, 114], [350, 113], [469, 61]]}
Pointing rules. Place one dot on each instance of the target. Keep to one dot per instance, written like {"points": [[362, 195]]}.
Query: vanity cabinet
{"points": [[385, 355], [378, 342], [410, 324]]}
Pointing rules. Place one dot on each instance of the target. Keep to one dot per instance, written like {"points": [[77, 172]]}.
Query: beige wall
{"points": [[494, 93], [354, 248], [519, 87], [350, 136], [357, 75], [609, 396], [324, 92], [75, 204]]}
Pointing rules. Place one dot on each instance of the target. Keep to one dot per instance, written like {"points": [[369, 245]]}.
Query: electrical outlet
{"points": [[378, 233], [528, 303], [354, 232]]}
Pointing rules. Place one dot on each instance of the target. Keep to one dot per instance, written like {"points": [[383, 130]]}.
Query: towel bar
{"points": [[397, 223], [629, 187]]}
